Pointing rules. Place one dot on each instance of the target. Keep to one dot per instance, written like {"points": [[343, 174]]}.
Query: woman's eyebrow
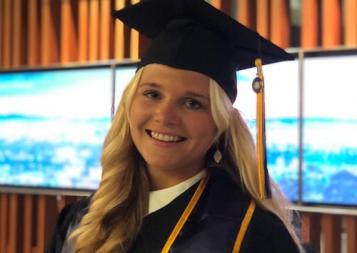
{"points": [[150, 84]]}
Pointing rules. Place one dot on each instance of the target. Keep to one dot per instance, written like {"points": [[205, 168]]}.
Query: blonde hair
{"points": [[120, 203], [241, 148], [118, 206]]}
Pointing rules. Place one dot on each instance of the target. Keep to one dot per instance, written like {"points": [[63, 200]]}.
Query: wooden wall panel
{"points": [[68, 51], [246, 13], [331, 230], [2, 18], [350, 23], [12, 240], [331, 23], [309, 23], [28, 223], [4, 208], [47, 215], [7, 29], [134, 40], [105, 29], [119, 40], [17, 34], [83, 30], [280, 23], [49, 32], [15, 223], [351, 231], [263, 18], [93, 30], [33, 38]]}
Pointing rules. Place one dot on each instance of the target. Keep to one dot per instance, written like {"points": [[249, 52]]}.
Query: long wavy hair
{"points": [[119, 205], [120, 202]]}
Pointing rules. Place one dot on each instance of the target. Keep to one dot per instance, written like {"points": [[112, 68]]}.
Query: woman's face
{"points": [[171, 123]]}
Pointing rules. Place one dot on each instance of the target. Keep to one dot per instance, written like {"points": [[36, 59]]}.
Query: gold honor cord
{"points": [[258, 87], [191, 205], [186, 213], [244, 226]]}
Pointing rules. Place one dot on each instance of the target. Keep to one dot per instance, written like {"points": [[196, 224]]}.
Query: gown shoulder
{"points": [[71, 214]]}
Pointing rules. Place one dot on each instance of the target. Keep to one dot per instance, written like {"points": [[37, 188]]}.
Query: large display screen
{"points": [[52, 125], [282, 115], [330, 130]]}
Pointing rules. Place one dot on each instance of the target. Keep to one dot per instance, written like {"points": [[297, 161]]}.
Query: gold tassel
{"points": [[258, 87]]}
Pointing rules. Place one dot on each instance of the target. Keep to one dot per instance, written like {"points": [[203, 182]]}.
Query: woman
{"points": [[179, 163]]}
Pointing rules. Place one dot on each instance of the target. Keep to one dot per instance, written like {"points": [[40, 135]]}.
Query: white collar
{"points": [[160, 198]]}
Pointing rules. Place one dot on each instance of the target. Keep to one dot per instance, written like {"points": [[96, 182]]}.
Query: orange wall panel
{"points": [[93, 30], [134, 40], [245, 13], [4, 207], [83, 33], [49, 33], [28, 223], [280, 23], [47, 212], [68, 32], [33, 38], [119, 46], [7, 28], [41, 219], [15, 223], [263, 20], [105, 29], [331, 229], [1, 32], [309, 23], [351, 231], [17, 34], [331, 23], [350, 21]]}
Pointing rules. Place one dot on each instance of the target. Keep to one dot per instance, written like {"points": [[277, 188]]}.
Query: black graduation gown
{"points": [[211, 228]]}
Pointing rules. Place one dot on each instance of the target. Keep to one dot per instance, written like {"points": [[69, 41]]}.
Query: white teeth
{"points": [[164, 137]]}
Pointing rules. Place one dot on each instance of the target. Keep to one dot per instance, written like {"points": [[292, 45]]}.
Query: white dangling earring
{"points": [[217, 156]]}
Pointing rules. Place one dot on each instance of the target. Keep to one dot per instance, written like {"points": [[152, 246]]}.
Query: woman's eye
{"points": [[193, 104], [152, 94]]}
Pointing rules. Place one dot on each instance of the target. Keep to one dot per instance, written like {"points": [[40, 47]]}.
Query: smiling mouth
{"points": [[165, 137]]}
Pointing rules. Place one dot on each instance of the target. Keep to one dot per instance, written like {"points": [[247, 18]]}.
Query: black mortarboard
{"points": [[193, 35]]}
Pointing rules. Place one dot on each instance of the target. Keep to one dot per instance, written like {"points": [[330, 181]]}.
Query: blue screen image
{"points": [[52, 126], [282, 121], [330, 131]]}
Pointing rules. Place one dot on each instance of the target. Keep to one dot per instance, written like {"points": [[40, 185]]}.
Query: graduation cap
{"points": [[193, 35]]}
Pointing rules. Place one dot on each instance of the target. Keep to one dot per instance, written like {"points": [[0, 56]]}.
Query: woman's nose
{"points": [[167, 112]]}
